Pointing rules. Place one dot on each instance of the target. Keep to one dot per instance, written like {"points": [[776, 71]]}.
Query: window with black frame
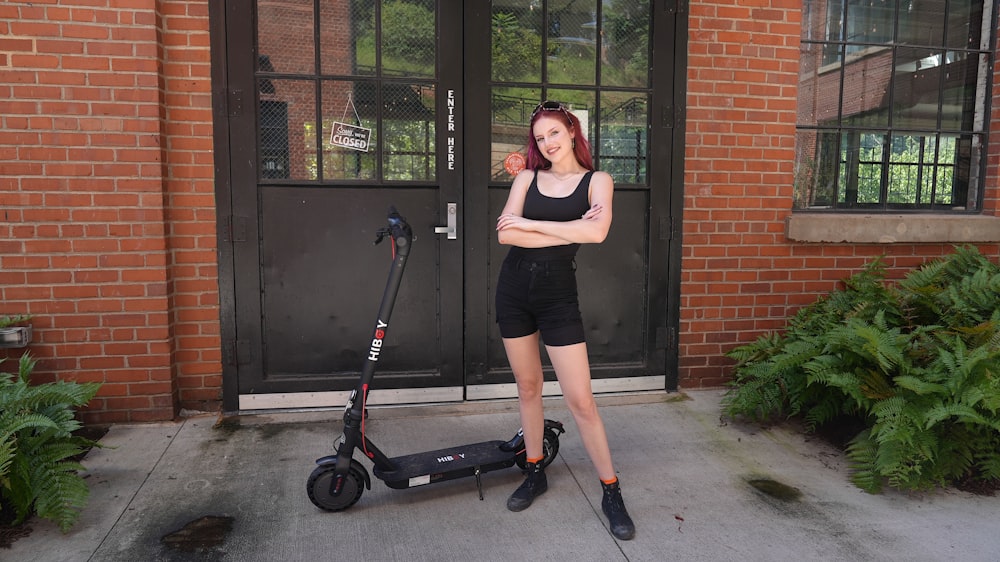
{"points": [[892, 104], [347, 91], [591, 55]]}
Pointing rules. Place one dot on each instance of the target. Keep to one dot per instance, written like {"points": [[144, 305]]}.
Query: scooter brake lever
{"points": [[380, 235]]}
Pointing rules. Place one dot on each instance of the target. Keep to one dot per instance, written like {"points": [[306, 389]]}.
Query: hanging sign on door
{"points": [[350, 136], [345, 135]]}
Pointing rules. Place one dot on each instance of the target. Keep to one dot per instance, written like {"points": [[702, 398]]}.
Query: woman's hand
{"points": [[593, 212], [511, 220]]}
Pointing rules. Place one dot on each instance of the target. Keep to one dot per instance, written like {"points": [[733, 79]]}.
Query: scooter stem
{"points": [[402, 237]]}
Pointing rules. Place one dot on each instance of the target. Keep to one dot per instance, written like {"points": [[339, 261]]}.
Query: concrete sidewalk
{"points": [[198, 490]]}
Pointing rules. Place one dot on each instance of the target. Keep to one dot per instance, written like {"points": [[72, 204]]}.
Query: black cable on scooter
{"points": [[364, 395], [364, 418]]}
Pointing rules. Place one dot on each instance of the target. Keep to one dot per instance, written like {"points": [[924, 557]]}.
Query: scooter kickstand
{"points": [[479, 483]]}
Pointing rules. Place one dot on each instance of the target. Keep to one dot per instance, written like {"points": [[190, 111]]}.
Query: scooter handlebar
{"points": [[397, 228]]}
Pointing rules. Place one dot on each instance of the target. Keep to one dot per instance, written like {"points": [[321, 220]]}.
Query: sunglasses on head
{"points": [[551, 106]]}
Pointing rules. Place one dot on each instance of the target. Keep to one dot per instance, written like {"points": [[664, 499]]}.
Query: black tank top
{"points": [[559, 209]]}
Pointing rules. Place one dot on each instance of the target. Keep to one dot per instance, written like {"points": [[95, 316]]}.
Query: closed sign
{"points": [[350, 136]]}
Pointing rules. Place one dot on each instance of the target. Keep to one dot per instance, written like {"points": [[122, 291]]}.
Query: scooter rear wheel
{"points": [[550, 448], [319, 483]]}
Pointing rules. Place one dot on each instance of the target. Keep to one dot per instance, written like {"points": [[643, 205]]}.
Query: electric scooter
{"points": [[338, 480]]}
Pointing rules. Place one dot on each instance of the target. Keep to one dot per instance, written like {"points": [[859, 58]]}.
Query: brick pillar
{"points": [[106, 208]]}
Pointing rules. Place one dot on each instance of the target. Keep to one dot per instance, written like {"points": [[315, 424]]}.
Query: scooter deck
{"points": [[446, 464]]}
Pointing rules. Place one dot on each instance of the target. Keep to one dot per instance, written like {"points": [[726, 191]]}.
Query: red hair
{"points": [[581, 148]]}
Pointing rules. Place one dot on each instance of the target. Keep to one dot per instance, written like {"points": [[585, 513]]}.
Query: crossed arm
{"points": [[591, 228]]}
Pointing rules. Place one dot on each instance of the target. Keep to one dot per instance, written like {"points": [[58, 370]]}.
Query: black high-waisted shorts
{"points": [[539, 296]]}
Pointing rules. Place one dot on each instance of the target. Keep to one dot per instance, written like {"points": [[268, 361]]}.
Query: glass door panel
{"points": [[624, 43]]}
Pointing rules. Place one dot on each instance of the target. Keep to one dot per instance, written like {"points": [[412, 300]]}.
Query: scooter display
{"points": [[339, 480]]}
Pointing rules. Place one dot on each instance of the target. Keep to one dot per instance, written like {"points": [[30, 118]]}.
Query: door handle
{"points": [[452, 228]]}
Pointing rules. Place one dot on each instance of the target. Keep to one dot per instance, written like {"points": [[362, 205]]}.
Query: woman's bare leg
{"points": [[573, 371], [526, 362]]}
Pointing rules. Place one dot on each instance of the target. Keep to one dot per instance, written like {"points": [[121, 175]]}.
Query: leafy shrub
{"points": [[515, 50], [408, 31], [626, 24], [917, 363], [37, 444]]}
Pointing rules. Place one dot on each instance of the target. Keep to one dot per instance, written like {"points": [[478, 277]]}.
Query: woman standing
{"points": [[556, 204]]}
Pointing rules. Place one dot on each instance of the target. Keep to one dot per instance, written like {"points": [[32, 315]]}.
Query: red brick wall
{"points": [[740, 276], [107, 217]]}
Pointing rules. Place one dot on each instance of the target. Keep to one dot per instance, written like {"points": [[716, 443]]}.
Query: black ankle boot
{"points": [[534, 485], [614, 507]]}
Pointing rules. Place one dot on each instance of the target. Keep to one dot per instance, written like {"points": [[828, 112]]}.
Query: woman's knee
{"points": [[529, 388], [584, 409]]}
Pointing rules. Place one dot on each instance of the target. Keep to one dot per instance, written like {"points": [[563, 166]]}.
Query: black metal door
{"points": [[336, 110], [601, 59]]}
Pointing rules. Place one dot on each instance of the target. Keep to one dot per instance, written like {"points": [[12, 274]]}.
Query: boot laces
{"points": [[534, 475], [613, 500]]}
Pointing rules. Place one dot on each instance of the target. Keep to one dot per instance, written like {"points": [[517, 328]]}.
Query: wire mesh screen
{"points": [[365, 110], [286, 129], [594, 58]]}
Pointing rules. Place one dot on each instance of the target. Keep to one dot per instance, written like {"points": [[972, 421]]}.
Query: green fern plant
{"points": [[37, 444], [770, 377], [918, 363]]}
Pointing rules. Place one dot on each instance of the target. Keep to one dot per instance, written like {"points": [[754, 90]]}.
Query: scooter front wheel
{"points": [[319, 486]]}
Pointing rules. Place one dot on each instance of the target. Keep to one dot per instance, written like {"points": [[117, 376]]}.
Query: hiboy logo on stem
{"points": [[377, 341]]}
